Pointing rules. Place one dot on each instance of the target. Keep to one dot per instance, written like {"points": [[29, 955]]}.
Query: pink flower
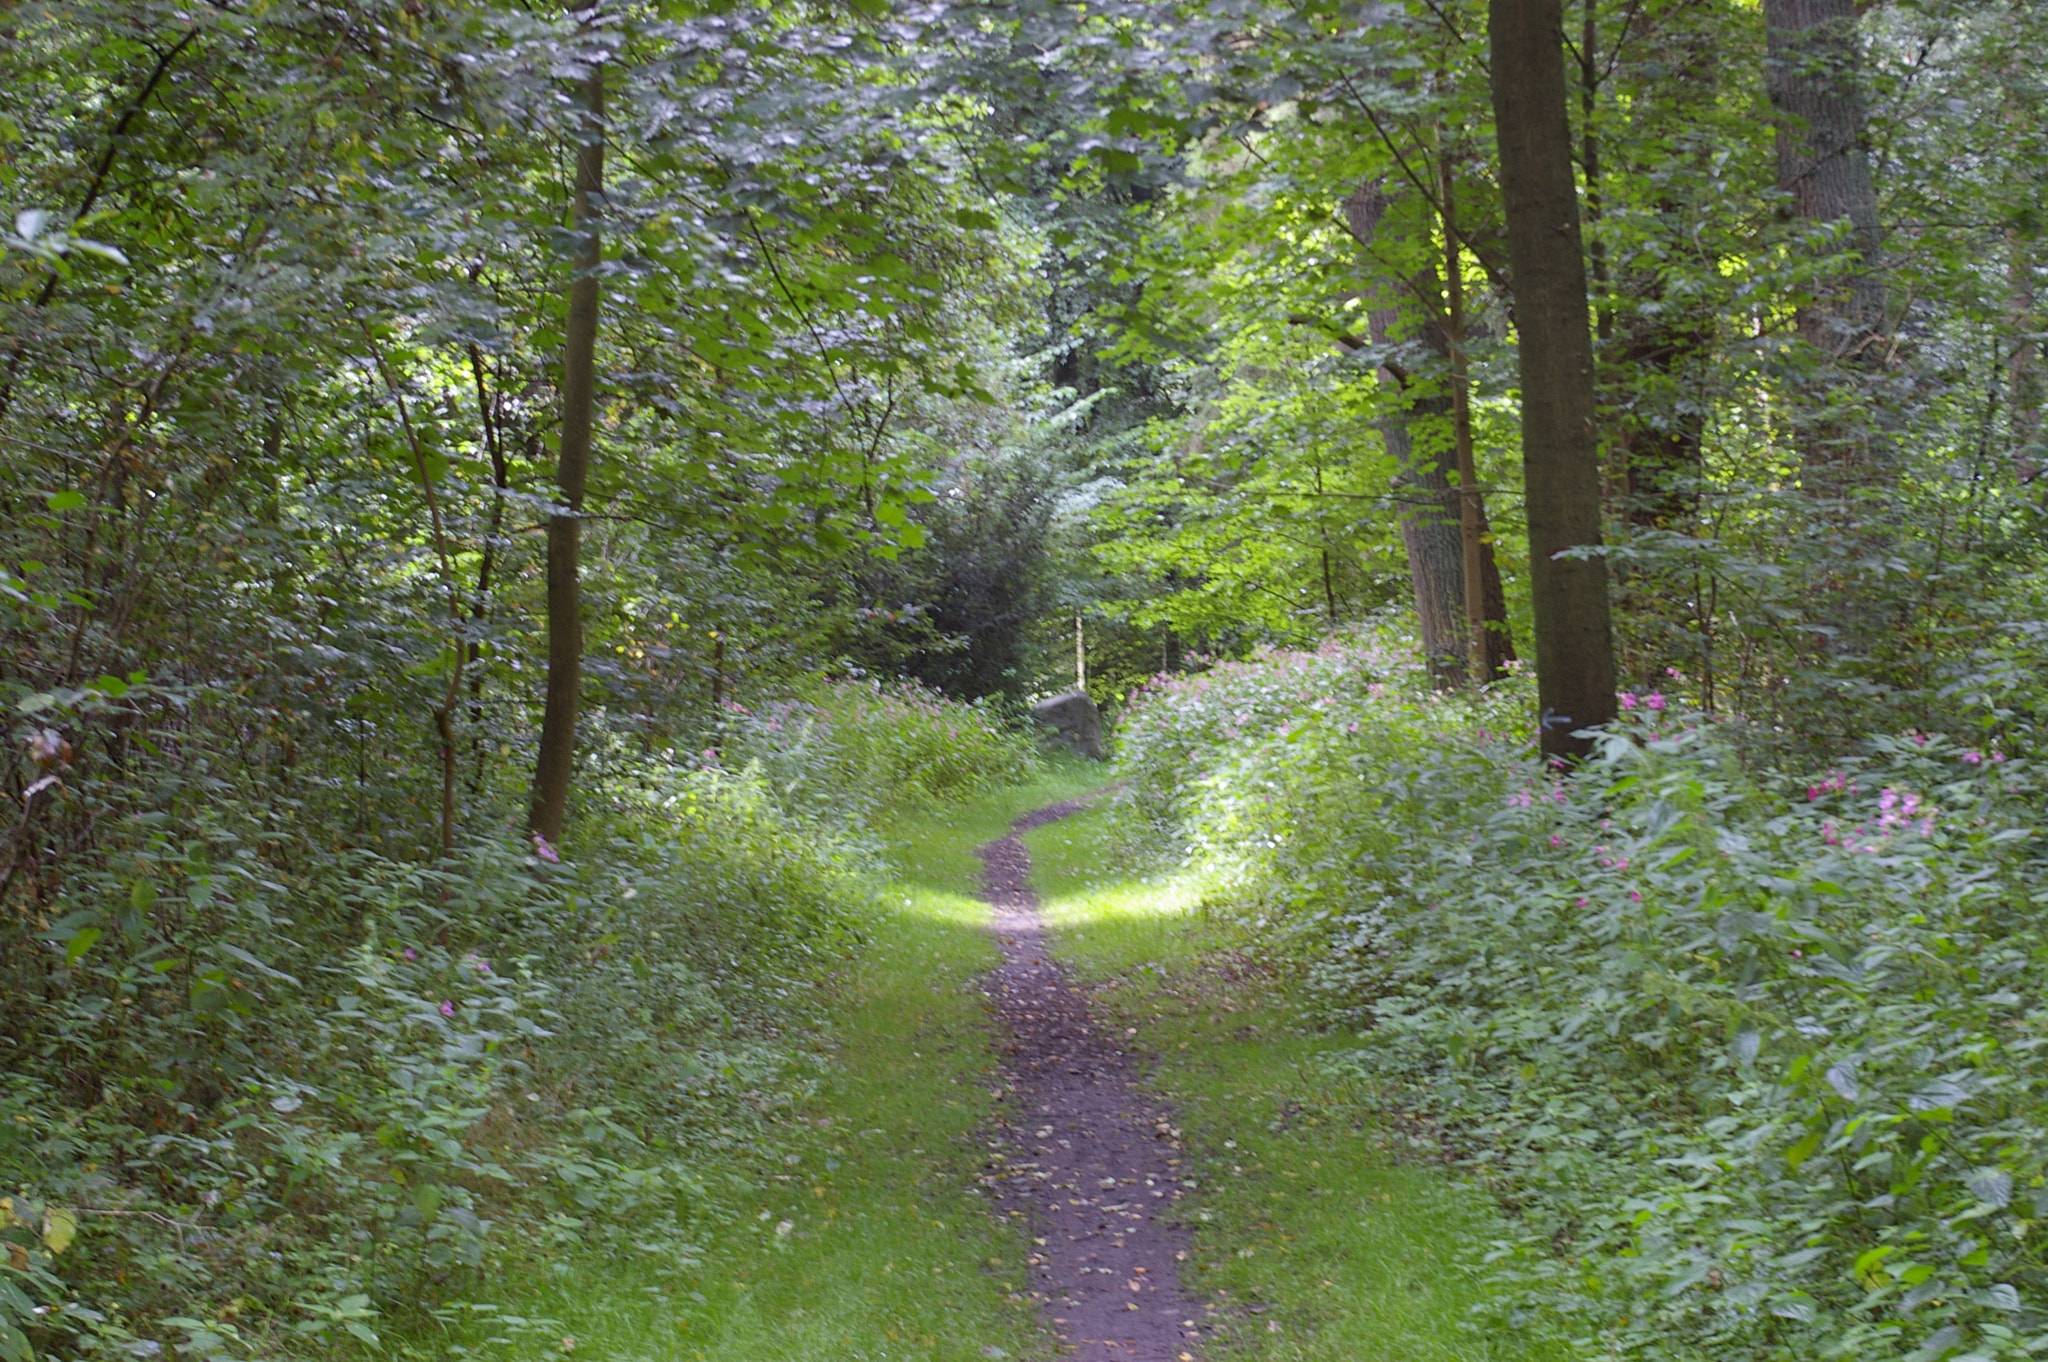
{"points": [[447, 1008], [1555, 840], [1627, 698], [1971, 758], [411, 954], [544, 851], [1655, 699], [1635, 896], [1998, 756], [1581, 902]]}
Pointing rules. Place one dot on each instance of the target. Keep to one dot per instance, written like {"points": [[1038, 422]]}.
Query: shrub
{"points": [[1753, 1059], [248, 1112], [847, 751]]}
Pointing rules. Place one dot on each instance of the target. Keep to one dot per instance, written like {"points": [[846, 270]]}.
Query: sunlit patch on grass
{"points": [[1315, 1233], [861, 1235]]}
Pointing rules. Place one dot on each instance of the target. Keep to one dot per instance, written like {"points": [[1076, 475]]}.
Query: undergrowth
{"points": [[1750, 1054], [270, 1099]]}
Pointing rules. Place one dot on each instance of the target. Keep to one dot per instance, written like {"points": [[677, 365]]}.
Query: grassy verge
{"points": [[856, 1236], [1313, 1237]]}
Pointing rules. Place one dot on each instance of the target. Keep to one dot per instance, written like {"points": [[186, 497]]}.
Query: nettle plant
{"points": [[1752, 1059]]}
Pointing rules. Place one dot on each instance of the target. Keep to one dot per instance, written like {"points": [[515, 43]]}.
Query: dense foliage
{"points": [[1752, 1056], [258, 1100], [928, 354]]}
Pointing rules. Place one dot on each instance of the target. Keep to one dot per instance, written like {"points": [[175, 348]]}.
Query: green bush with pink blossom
{"points": [[1754, 1057]]}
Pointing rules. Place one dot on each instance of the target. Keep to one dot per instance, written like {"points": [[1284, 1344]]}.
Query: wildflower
{"points": [[411, 954], [1635, 896], [1555, 840], [1998, 756], [1972, 757], [1581, 902], [1627, 698], [545, 851], [1654, 700], [447, 1008]]}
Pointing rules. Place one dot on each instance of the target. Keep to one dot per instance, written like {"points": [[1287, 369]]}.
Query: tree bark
{"points": [[1429, 530], [1560, 459], [1812, 68], [1432, 515], [565, 526], [1471, 513]]}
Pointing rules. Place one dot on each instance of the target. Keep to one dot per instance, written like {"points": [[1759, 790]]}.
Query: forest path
{"points": [[1092, 1155]]}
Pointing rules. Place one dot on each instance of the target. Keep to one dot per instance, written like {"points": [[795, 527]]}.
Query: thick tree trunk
{"points": [[1429, 532], [1812, 74], [1433, 529], [1560, 460], [565, 528]]}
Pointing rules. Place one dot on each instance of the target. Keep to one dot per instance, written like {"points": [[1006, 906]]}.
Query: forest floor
{"points": [[924, 1207]]}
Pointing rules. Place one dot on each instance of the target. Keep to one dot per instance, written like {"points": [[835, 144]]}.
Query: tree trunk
{"points": [[2023, 366], [1811, 73], [1560, 459], [1471, 510], [565, 526], [1429, 532], [1432, 514]]}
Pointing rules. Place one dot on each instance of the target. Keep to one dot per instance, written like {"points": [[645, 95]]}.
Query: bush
{"points": [[247, 1112], [1753, 1059], [848, 751]]}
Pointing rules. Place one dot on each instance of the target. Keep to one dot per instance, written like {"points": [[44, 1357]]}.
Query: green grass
{"points": [[886, 1254], [1312, 1235], [1311, 1238]]}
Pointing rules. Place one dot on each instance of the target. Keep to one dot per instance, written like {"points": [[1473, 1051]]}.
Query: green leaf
{"points": [[60, 1227], [80, 943], [67, 500]]}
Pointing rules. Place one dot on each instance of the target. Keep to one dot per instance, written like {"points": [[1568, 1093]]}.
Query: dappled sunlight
{"points": [[938, 907], [1124, 902]]}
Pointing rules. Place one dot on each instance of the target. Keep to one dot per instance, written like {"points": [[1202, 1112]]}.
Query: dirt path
{"points": [[1093, 1157]]}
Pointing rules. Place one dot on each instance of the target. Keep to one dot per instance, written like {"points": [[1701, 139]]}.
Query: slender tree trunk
{"points": [[2023, 368], [1470, 514], [565, 528], [1560, 459], [2023, 364]]}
